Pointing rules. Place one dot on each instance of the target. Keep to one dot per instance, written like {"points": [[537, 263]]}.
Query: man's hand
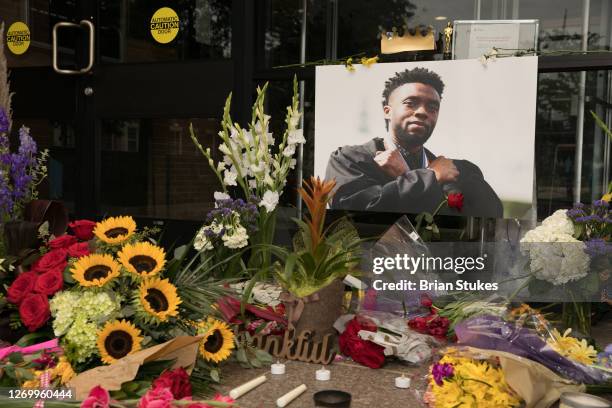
{"points": [[391, 162], [445, 170]]}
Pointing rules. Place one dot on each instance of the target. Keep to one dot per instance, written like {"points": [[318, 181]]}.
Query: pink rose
{"points": [[157, 397], [62, 242], [98, 398]]}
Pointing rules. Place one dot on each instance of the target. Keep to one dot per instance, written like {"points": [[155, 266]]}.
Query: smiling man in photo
{"points": [[396, 173]]}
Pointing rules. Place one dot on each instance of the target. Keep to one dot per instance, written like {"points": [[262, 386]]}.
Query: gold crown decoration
{"points": [[391, 42]]}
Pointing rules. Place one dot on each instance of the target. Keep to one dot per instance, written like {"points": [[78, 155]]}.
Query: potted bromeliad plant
{"points": [[312, 271]]}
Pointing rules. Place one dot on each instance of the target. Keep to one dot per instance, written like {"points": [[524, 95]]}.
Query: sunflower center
{"points": [[118, 344], [143, 263], [157, 300], [115, 232], [96, 272], [214, 342]]}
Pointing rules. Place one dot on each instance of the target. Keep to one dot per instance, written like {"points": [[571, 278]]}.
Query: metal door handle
{"points": [[83, 23]]}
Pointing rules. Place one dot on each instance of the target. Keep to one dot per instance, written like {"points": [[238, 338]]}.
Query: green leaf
{"points": [[263, 356], [180, 252], [601, 124], [15, 358], [241, 355], [537, 286], [214, 374]]}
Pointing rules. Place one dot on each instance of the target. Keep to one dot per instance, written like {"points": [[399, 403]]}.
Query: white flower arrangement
{"points": [[555, 255], [248, 158], [263, 293]]}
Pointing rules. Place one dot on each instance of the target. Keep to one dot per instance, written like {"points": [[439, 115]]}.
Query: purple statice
{"points": [[600, 204], [575, 213], [225, 209], [4, 121], [442, 371], [597, 246]]}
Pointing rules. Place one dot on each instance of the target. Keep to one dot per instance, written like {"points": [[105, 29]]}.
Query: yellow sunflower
{"points": [[218, 340], [142, 259], [118, 339], [157, 300], [115, 230], [95, 270]]}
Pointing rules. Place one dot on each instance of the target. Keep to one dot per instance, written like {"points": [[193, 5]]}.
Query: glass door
{"points": [[118, 133]]}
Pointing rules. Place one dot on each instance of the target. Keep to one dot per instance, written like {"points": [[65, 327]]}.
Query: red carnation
{"points": [[177, 381], [62, 242], [51, 260], [455, 200], [78, 250], [21, 286], [34, 311], [83, 229], [50, 282]]}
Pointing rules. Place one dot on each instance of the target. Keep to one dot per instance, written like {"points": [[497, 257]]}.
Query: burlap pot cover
{"points": [[316, 312]]}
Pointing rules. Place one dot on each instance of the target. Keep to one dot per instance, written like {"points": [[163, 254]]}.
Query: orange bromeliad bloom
{"points": [[316, 193]]}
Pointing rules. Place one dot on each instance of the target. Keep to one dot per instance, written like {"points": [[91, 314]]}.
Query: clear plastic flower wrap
{"points": [[540, 343]]}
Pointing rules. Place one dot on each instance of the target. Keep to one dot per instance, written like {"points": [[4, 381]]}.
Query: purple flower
{"points": [[601, 204], [4, 121], [597, 246], [441, 372]]}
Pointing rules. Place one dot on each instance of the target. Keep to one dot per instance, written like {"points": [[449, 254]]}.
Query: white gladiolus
{"points": [[289, 150], [269, 200], [219, 195], [229, 178], [296, 136]]}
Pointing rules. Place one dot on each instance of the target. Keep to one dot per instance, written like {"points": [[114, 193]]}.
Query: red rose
{"points": [[21, 286], [83, 229], [426, 300], [418, 324], [62, 242], [177, 381], [78, 250], [34, 311], [455, 200], [50, 282], [51, 260], [362, 351]]}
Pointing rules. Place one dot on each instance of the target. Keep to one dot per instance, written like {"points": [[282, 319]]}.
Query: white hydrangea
{"points": [[201, 241], [63, 306], [236, 238], [269, 200], [264, 293], [559, 222], [82, 337], [555, 255]]}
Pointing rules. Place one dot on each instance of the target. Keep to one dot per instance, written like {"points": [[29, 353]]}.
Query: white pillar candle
{"points": [[402, 382], [323, 374], [278, 368], [246, 387], [290, 396]]}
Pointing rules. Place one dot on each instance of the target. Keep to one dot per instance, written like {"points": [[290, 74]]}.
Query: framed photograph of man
{"points": [[398, 137]]}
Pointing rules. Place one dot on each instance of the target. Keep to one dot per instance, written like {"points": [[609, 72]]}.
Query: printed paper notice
{"points": [[483, 37]]}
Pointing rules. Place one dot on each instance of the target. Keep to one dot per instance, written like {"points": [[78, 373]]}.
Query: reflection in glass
{"points": [[557, 113], [205, 31], [282, 22], [151, 168]]}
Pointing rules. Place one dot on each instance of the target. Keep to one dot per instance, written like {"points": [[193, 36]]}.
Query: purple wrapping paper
{"points": [[493, 333]]}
